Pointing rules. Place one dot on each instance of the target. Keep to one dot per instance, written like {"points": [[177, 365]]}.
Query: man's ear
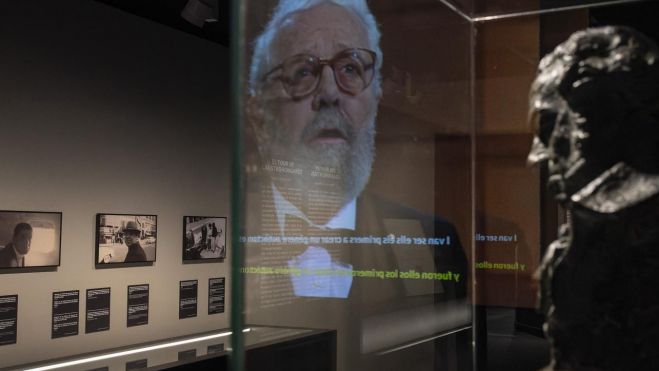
{"points": [[254, 114], [377, 89]]}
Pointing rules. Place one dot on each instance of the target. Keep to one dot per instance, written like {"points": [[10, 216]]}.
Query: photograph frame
{"points": [[196, 257], [57, 241], [112, 233]]}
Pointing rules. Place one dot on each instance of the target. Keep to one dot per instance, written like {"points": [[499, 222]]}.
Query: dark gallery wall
{"points": [[103, 111]]}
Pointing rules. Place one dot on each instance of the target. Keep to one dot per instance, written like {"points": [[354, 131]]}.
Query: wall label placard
{"points": [[66, 313], [187, 303], [98, 310], [8, 319], [216, 295], [138, 305], [187, 354], [215, 348], [138, 364]]}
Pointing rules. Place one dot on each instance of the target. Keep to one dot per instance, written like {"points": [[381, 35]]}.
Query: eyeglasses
{"points": [[300, 74]]}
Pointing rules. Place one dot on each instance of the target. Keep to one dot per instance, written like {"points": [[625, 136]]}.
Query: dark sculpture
{"points": [[595, 102]]}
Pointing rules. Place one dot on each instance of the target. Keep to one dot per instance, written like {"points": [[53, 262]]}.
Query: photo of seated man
{"points": [[13, 254], [29, 239]]}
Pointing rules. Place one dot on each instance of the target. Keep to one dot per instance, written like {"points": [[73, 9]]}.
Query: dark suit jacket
{"points": [[135, 253], [271, 300], [8, 257], [379, 216]]}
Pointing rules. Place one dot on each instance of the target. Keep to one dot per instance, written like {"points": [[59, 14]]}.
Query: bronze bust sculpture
{"points": [[595, 104]]}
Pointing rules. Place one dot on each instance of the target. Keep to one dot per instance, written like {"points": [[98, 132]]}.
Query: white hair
{"points": [[261, 58]]}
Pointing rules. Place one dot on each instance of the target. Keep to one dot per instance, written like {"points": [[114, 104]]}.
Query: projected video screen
{"points": [[340, 203]]}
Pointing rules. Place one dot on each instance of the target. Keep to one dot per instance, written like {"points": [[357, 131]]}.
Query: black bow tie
{"points": [[296, 226]]}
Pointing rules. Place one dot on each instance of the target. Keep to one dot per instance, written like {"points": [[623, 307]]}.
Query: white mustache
{"points": [[328, 119]]}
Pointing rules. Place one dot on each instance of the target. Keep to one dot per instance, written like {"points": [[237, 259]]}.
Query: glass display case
{"points": [[446, 224]]}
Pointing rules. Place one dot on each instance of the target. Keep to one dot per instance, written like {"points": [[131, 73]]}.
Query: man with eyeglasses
{"points": [[314, 89], [314, 94]]}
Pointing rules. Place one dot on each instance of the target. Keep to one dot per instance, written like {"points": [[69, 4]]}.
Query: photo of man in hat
{"points": [[125, 238], [132, 235]]}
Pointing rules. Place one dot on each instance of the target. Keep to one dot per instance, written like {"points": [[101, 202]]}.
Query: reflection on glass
{"points": [[486, 10]]}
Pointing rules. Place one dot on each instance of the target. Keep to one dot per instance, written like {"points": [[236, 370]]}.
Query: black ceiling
{"points": [[168, 12]]}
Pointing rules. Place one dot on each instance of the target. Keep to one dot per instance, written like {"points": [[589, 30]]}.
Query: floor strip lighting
{"points": [[131, 351]]}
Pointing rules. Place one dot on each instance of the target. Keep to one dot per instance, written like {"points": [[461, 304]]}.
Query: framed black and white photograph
{"points": [[125, 238], [30, 239], [204, 238]]}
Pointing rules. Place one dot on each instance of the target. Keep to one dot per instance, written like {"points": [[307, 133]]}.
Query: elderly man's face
{"points": [[22, 241], [329, 127]]}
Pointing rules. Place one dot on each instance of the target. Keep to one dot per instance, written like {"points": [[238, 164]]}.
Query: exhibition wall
{"points": [[106, 112]]}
